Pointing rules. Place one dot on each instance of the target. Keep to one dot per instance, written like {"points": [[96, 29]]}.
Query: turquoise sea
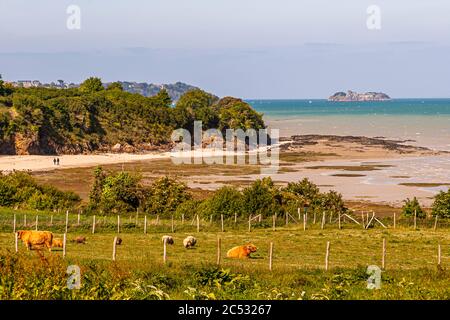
{"points": [[425, 121]]}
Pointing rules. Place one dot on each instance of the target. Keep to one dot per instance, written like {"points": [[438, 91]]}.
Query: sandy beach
{"points": [[360, 168]]}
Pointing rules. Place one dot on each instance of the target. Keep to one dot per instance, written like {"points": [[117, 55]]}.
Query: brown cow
{"points": [[57, 243], [33, 238], [241, 252]]}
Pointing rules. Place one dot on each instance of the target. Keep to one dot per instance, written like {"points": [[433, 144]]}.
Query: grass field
{"points": [[298, 263]]}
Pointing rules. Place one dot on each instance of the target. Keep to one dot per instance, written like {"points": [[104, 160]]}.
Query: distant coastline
{"points": [[354, 96]]}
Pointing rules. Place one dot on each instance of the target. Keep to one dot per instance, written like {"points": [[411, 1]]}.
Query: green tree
{"points": [[411, 207], [95, 195], [115, 86], [226, 201], [234, 113], [306, 191], [165, 195], [121, 192], [187, 208], [331, 202], [195, 105], [261, 197], [91, 85], [441, 205]]}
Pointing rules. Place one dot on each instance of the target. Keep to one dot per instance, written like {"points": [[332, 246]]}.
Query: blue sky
{"points": [[245, 48]]}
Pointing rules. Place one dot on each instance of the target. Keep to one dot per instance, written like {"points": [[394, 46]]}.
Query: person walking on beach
{"points": [[57, 161], [54, 161]]}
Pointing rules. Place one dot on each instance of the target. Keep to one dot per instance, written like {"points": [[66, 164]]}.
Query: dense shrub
{"points": [[226, 201], [411, 207], [20, 189], [441, 204], [165, 195]]}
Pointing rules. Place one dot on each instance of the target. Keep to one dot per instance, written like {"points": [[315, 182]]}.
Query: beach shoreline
{"points": [[361, 168]]}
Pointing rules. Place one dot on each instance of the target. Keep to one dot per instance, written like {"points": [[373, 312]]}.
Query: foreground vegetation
{"points": [[298, 261]]}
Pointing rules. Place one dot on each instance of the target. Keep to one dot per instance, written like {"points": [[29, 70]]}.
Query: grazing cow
{"points": [[119, 241], [241, 252], [168, 239], [34, 238], [57, 243], [79, 239], [189, 242]]}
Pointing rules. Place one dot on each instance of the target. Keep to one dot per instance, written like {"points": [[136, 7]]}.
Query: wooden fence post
{"points": [[182, 218], [273, 222], [51, 220], [114, 249], [339, 220], [78, 218], [210, 219], [37, 222], [16, 240], [14, 224], [249, 223], [198, 223], [439, 255], [157, 219], [383, 260], [118, 223], [314, 220], [165, 251], [145, 224], [67, 220], [299, 215], [363, 221], [323, 220], [221, 220], [219, 249], [327, 255], [235, 217], [415, 219], [304, 221], [395, 220], [93, 224], [435, 223], [173, 225], [25, 220], [270, 256], [64, 244]]}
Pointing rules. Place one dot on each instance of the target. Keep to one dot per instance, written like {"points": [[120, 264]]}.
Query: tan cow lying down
{"points": [[57, 243], [241, 252], [35, 238]]}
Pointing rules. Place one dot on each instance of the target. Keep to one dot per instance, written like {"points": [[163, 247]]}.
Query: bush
{"points": [[226, 201], [441, 205], [120, 192], [262, 197], [165, 195], [188, 208], [20, 189], [411, 207]]}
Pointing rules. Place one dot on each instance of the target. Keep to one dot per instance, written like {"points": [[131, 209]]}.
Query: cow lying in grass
{"points": [[36, 238], [57, 243], [241, 252]]}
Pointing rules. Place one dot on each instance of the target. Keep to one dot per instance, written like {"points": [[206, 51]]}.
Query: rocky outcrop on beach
{"points": [[354, 96], [399, 146]]}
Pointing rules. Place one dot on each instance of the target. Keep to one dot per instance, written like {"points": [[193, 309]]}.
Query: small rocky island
{"points": [[354, 96]]}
